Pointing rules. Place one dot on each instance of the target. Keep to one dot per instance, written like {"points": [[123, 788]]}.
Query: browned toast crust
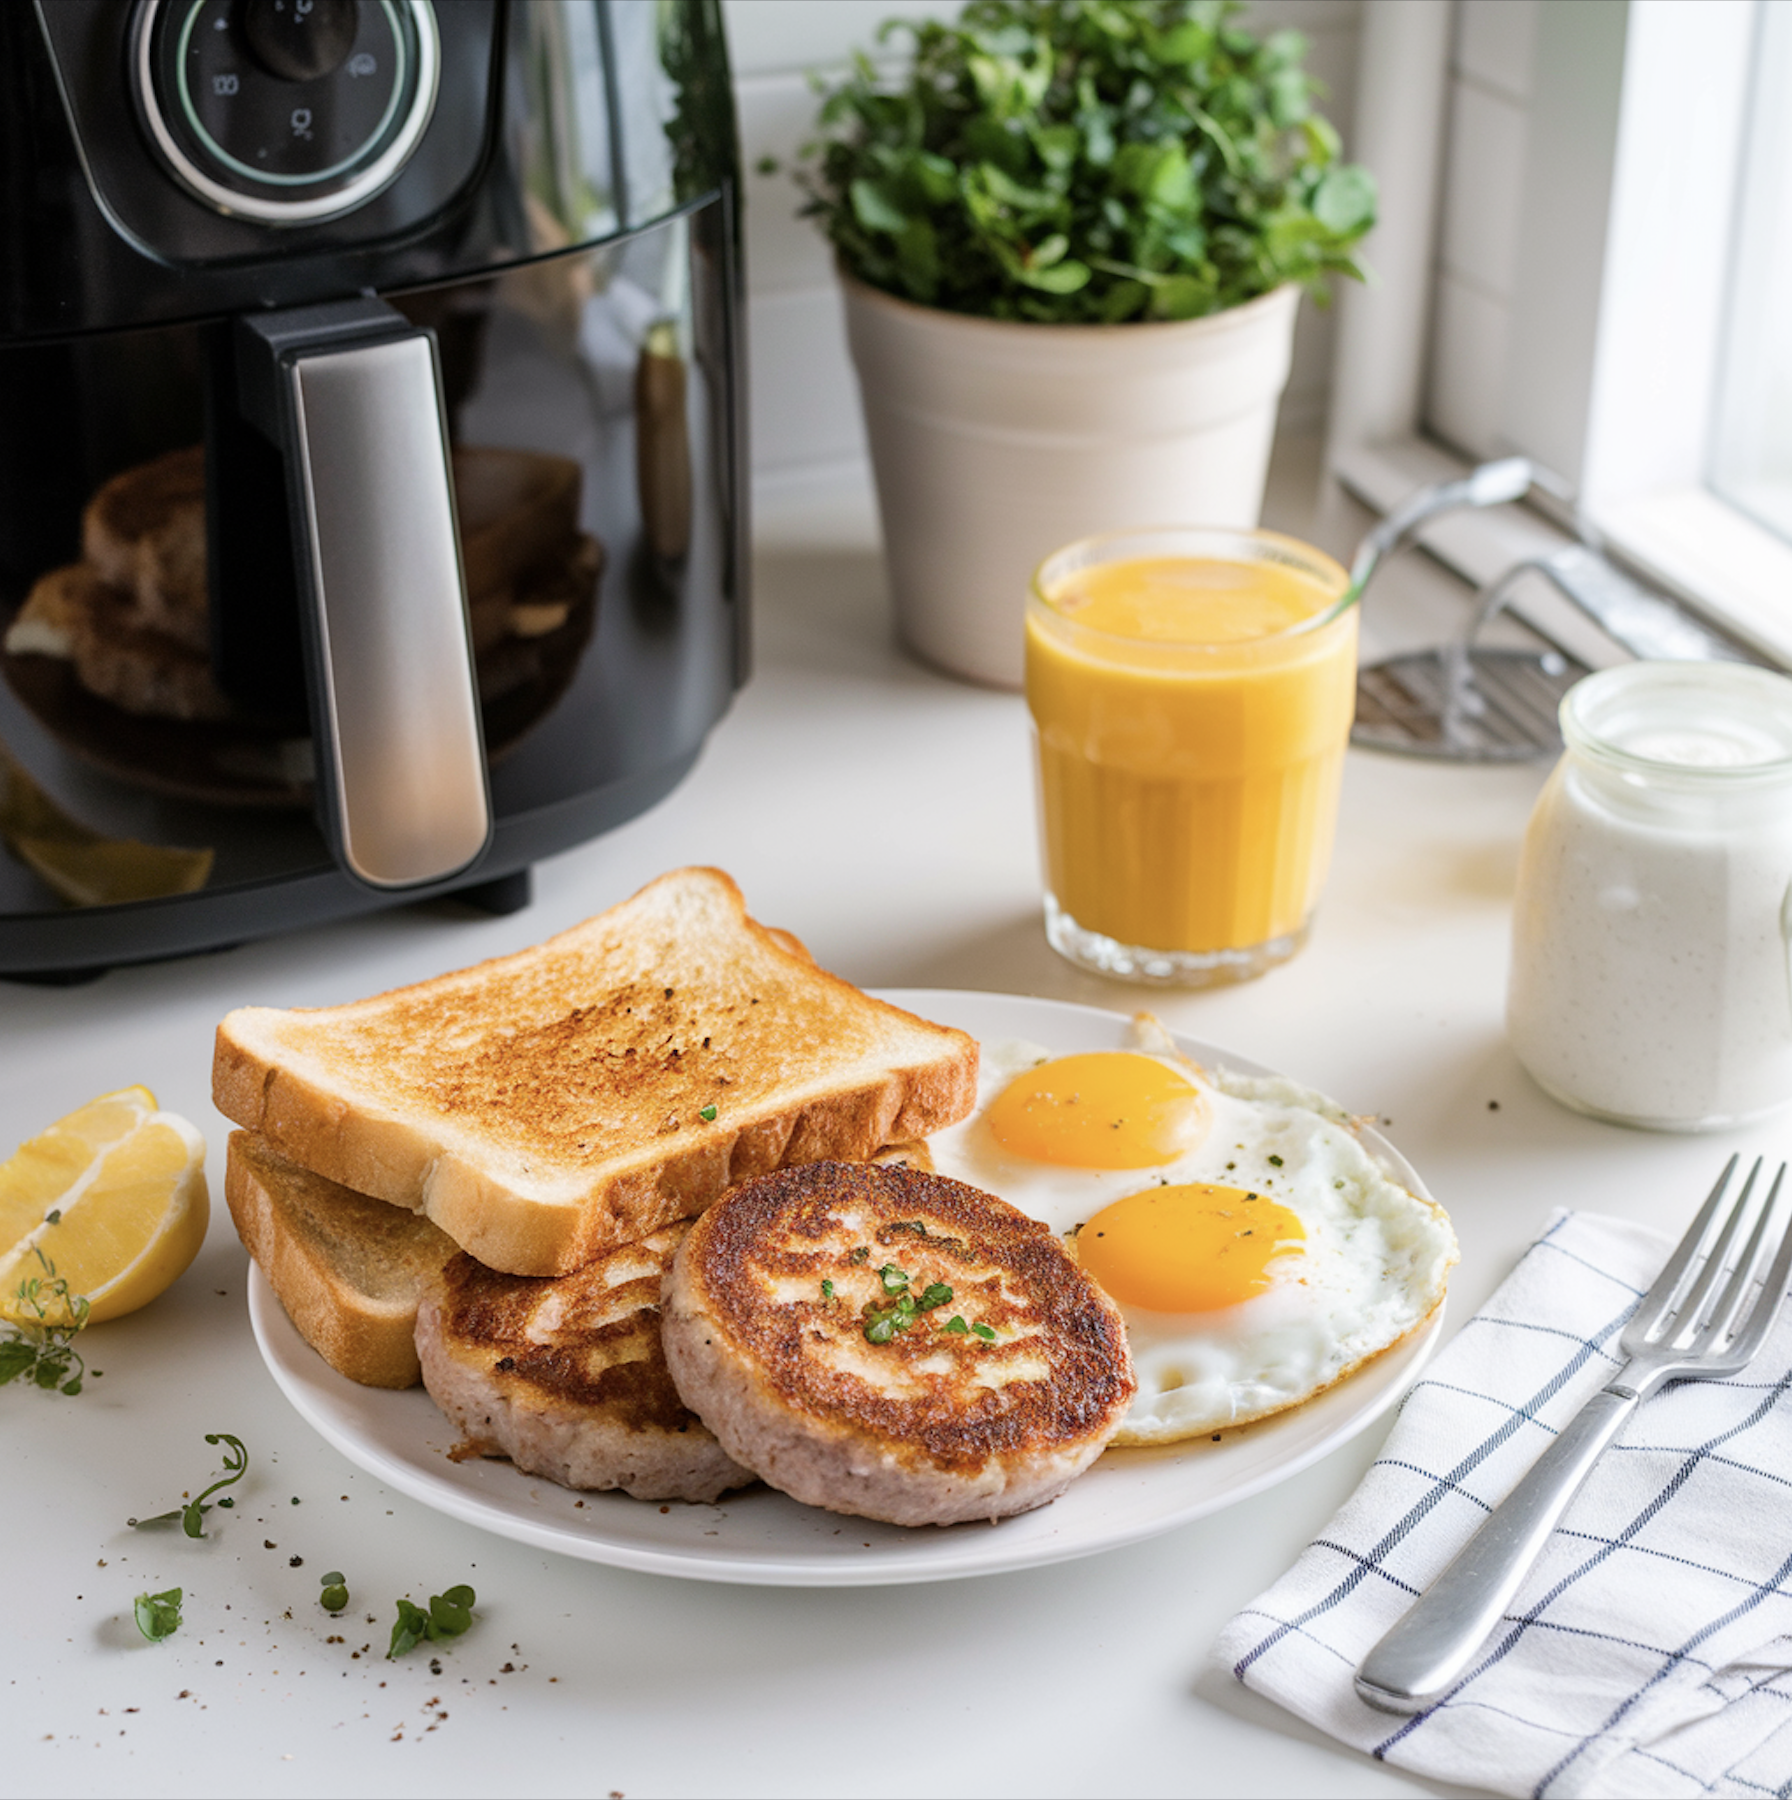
{"points": [[546, 1106], [347, 1269], [144, 533], [139, 667]]}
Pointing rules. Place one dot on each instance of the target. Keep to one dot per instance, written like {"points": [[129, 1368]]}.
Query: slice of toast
{"points": [[349, 1270], [518, 510], [75, 617], [144, 533], [550, 1105]]}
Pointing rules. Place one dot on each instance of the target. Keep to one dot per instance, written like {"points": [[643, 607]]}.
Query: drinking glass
{"points": [[1191, 692]]}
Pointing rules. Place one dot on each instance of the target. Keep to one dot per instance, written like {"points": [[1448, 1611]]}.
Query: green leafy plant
{"points": [[39, 1347], [448, 1616], [335, 1592], [1086, 161], [192, 1515]]}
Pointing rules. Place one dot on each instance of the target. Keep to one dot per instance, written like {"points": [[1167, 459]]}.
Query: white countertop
{"points": [[885, 814]]}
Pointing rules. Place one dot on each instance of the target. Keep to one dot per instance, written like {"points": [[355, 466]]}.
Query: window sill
{"points": [[1702, 551], [1688, 543]]}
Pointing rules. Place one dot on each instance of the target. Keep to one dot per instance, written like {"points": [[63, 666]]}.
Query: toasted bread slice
{"points": [[348, 1269], [46, 624], [553, 1104], [73, 615], [144, 534], [565, 1375], [518, 511], [878, 1340]]}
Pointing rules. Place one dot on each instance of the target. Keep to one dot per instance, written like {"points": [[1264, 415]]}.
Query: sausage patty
{"points": [[564, 1375], [887, 1342]]}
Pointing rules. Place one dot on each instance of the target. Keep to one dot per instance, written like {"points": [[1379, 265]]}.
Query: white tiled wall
{"points": [[805, 405], [1489, 93]]}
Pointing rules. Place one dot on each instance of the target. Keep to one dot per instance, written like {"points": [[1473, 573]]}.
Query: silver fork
{"points": [[1684, 1329]]}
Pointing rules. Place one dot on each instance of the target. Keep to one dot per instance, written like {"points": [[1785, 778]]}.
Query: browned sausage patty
{"points": [[564, 1374], [887, 1342]]}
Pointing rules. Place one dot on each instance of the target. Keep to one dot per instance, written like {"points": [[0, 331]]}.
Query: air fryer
{"points": [[371, 482]]}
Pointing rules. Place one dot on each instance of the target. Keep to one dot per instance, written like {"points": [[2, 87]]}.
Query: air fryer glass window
{"points": [[286, 111]]}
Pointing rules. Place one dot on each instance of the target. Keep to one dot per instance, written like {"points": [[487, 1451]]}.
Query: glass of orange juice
{"points": [[1191, 693]]}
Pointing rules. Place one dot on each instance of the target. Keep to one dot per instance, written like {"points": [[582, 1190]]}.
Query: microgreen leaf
{"points": [[983, 1331], [158, 1615], [827, 1290], [335, 1592], [937, 1294], [893, 1278], [408, 1630], [707, 1114], [956, 1323], [449, 1615]]}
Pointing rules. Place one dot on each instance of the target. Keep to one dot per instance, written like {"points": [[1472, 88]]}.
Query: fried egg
{"points": [[1256, 1249]]}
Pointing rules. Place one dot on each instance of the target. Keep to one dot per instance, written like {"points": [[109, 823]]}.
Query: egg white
{"points": [[1371, 1269]]}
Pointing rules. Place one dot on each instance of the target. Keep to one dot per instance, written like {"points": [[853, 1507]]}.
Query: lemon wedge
{"points": [[114, 1198]]}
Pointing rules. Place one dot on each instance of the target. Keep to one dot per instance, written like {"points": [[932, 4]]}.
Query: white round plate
{"points": [[760, 1536]]}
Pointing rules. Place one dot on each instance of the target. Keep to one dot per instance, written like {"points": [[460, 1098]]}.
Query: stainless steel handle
{"points": [[350, 394], [396, 659], [1433, 1644]]}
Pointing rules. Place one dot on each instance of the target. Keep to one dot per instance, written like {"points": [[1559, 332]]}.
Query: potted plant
{"points": [[1072, 239]]}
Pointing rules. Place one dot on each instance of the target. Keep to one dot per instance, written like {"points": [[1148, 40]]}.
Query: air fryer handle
{"points": [[351, 395]]}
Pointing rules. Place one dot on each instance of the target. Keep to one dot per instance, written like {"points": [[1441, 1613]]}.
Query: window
{"points": [[1751, 448], [1564, 274]]}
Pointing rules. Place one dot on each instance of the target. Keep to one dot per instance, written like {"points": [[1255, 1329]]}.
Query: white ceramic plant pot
{"points": [[996, 443]]}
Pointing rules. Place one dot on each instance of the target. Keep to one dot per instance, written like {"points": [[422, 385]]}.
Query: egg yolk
{"points": [[1193, 1248], [1110, 1109]]}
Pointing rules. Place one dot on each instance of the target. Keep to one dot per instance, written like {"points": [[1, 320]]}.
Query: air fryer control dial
{"points": [[301, 40], [286, 111]]}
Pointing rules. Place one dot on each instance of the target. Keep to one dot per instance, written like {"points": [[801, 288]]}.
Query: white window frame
{"points": [[1619, 299]]}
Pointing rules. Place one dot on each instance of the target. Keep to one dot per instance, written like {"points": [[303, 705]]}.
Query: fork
{"points": [[1684, 1329]]}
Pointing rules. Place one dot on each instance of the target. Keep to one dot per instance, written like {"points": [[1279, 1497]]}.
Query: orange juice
{"points": [[1192, 703]]}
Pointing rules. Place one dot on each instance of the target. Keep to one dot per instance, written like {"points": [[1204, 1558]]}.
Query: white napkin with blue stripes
{"points": [[1650, 1650]]}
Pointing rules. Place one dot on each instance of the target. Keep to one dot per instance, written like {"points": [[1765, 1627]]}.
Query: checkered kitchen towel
{"points": [[1650, 1650]]}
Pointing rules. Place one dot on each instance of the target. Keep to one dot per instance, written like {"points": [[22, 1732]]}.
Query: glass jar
{"points": [[1651, 977]]}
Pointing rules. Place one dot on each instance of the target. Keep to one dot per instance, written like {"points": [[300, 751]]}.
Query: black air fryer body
{"points": [[371, 450]]}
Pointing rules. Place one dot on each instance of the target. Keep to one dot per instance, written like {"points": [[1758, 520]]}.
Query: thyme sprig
{"points": [[192, 1515], [41, 1345]]}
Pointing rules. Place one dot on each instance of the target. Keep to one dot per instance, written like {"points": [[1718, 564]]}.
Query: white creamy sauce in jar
{"points": [[1651, 981]]}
